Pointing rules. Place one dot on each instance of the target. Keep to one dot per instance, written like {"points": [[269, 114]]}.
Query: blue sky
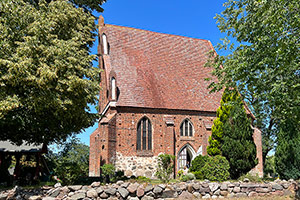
{"points": [[191, 18]]}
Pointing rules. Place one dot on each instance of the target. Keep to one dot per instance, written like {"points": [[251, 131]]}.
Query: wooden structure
{"points": [[7, 149]]}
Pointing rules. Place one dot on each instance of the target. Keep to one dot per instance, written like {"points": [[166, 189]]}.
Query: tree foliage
{"points": [[264, 60], [46, 75], [287, 155], [71, 163], [269, 167]]}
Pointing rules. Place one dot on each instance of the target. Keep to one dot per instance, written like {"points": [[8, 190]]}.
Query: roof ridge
{"points": [[139, 29]]}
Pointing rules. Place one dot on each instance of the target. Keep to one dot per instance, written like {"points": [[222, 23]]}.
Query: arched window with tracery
{"points": [[144, 135], [186, 128]]}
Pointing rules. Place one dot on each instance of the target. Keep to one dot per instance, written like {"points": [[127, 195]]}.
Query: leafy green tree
{"points": [[287, 155], [263, 60], [165, 167], [46, 75], [216, 139], [238, 145], [71, 163]]}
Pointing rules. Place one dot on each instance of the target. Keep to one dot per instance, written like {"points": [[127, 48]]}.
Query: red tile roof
{"points": [[157, 70]]}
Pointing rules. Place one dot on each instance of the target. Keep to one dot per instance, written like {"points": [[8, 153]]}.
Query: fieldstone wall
{"points": [[144, 191], [136, 165]]}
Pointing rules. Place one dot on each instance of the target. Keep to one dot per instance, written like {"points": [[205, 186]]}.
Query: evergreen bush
{"points": [[215, 168], [199, 175], [198, 163]]}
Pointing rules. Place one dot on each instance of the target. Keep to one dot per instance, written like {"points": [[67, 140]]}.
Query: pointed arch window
{"points": [[105, 44], [186, 128], [144, 135], [113, 88]]}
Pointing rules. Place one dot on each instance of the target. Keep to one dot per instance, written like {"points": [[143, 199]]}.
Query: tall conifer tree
{"points": [[238, 145], [232, 135], [223, 111]]}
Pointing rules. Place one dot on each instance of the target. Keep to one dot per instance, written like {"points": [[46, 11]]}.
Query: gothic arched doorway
{"points": [[185, 156]]}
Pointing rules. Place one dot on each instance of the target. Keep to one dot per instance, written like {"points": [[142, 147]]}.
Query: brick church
{"points": [[153, 100]]}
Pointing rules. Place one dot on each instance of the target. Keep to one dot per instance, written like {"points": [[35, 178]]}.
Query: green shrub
{"points": [[238, 145], [252, 178], [165, 167], [190, 176], [180, 173], [68, 172], [187, 177], [198, 163], [108, 169], [199, 175], [216, 138], [214, 168], [184, 178]]}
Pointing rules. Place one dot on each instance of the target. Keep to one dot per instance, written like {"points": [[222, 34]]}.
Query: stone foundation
{"points": [[145, 191], [136, 165]]}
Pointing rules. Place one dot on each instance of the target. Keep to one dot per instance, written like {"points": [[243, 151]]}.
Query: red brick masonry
{"points": [[161, 77]]}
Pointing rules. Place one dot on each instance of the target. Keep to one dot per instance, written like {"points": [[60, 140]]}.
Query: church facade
{"points": [[153, 99]]}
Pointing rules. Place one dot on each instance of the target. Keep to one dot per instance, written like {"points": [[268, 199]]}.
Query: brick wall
{"points": [[258, 142], [117, 135]]}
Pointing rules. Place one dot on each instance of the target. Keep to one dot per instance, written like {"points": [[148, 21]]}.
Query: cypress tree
{"points": [[232, 135], [216, 139], [238, 145]]}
